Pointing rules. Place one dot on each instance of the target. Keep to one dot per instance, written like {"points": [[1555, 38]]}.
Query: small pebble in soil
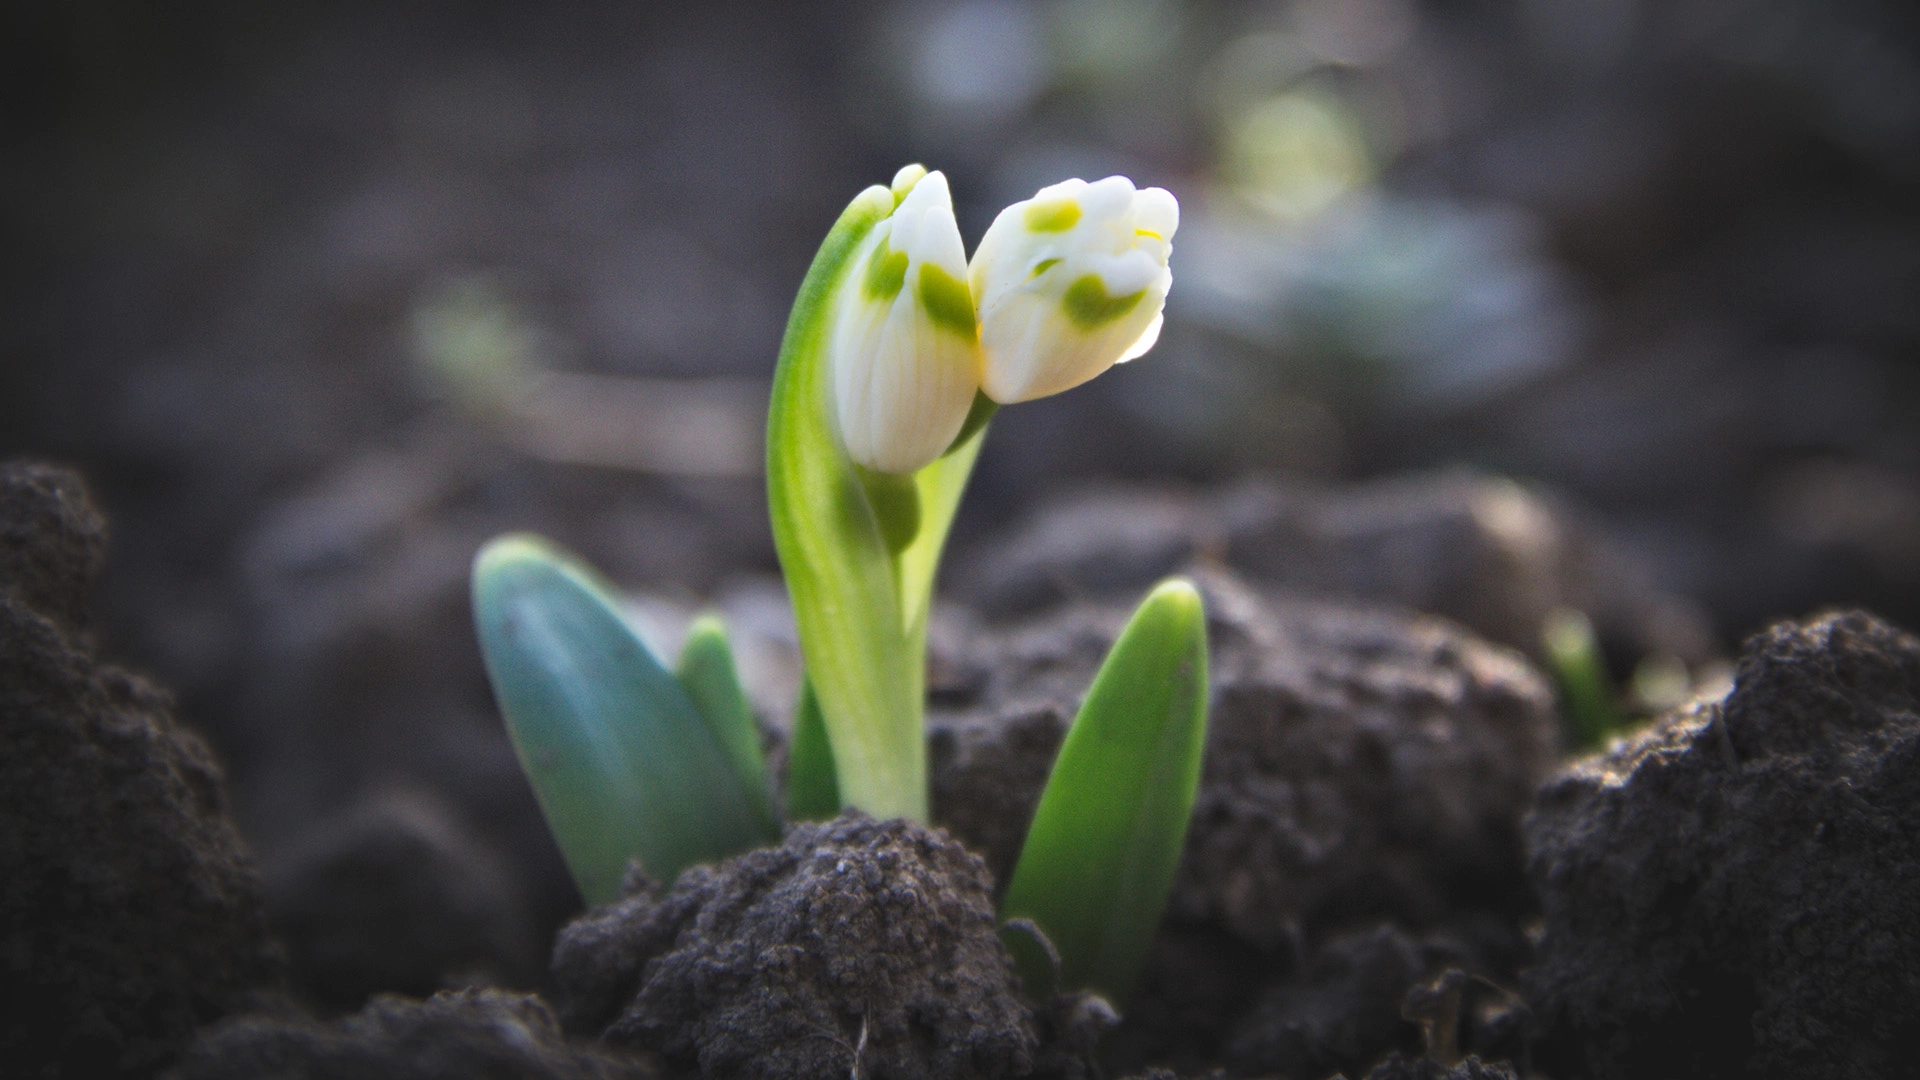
{"points": [[1735, 891], [856, 947]]}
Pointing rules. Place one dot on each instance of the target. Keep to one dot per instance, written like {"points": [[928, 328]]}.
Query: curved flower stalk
{"points": [[880, 401], [859, 545], [1069, 283]]}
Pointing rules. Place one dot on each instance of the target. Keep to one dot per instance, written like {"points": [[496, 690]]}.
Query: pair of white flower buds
{"points": [[1063, 286]]}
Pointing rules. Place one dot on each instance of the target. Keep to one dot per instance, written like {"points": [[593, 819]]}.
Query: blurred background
{"points": [[322, 296]]}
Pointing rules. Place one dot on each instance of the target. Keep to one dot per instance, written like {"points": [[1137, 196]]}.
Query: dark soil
{"points": [[1356, 831], [131, 910], [1730, 892], [396, 892], [455, 1035], [1360, 762], [857, 948], [1736, 891], [1472, 1068], [1484, 551], [224, 230]]}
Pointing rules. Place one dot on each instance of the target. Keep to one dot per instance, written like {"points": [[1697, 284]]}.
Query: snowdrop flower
{"points": [[1069, 283], [905, 346]]}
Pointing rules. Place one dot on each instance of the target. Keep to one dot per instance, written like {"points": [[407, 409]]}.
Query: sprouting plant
{"points": [[1589, 716], [898, 352]]}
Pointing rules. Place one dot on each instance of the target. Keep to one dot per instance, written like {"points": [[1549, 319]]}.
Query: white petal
{"points": [[1065, 189], [904, 180], [1155, 210], [1126, 273], [902, 383], [1107, 198], [936, 235], [1147, 340]]}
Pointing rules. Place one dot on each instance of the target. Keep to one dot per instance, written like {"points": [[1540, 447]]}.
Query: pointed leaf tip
{"points": [[706, 672], [1107, 836]]}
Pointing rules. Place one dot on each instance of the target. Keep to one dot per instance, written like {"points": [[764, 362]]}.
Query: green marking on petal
{"points": [[1089, 306], [1052, 216], [1043, 266], [947, 300], [886, 273]]}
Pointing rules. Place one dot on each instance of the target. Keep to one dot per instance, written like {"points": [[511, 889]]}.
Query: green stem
{"points": [[862, 663]]}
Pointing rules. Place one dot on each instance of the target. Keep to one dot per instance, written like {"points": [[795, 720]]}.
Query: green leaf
{"points": [[1588, 715], [840, 573], [813, 792], [1100, 857], [707, 674], [1034, 957], [623, 764]]}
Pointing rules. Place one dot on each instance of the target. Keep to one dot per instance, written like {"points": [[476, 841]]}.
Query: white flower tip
{"points": [[905, 179], [1156, 211], [905, 343], [1149, 338]]}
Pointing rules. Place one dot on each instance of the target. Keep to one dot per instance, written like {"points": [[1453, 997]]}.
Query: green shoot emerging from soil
{"points": [[898, 352], [1588, 713]]}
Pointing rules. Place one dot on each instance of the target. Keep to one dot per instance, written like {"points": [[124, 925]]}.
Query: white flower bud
{"points": [[905, 346], [1069, 283]]}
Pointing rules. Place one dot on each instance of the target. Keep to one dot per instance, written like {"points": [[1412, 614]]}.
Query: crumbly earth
{"points": [[52, 541], [1480, 550], [1361, 763], [396, 894], [856, 947], [1340, 1010], [1398, 1067], [130, 908], [1366, 774], [476, 1034], [1736, 890]]}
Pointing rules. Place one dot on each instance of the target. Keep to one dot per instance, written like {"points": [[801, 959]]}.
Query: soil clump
{"points": [[1481, 550], [856, 947], [1735, 891], [132, 913], [394, 893], [1356, 832], [474, 1034]]}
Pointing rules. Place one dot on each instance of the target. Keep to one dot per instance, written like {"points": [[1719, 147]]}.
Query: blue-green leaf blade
{"points": [[707, 673], [813, 791], [1107, 836], [620, 760]]}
